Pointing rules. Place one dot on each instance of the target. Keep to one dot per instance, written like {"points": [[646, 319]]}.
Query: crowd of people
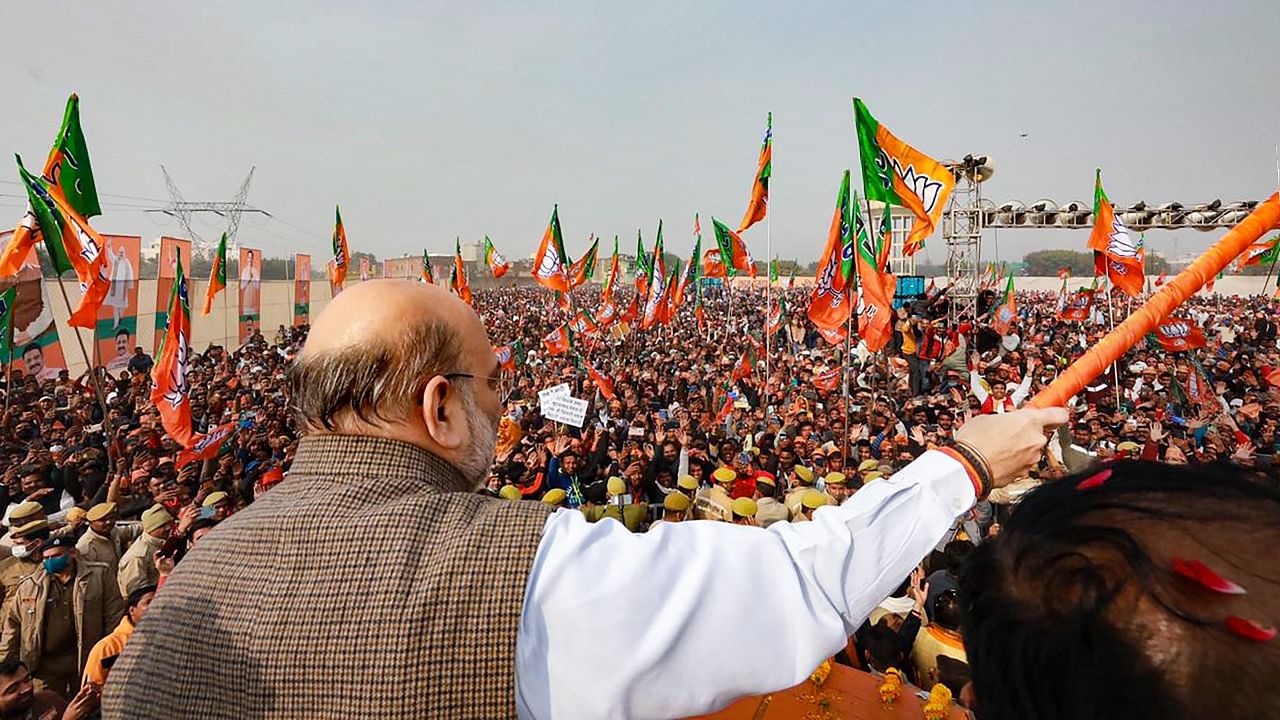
{"points": [[699, 419]]}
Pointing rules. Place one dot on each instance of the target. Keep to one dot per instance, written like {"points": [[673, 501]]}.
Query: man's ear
{"points": [[443, 415]]}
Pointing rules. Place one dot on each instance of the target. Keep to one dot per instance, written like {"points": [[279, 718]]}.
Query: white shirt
{"points": [[688, 617]]}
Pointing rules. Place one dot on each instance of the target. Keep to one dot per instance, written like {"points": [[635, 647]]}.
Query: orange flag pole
{"points": [[1125, 335]]}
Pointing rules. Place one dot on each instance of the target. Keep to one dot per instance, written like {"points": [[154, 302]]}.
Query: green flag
{"points": [[773, 270], [68, 165], [657, 253], [642, 266], [48, 217]]}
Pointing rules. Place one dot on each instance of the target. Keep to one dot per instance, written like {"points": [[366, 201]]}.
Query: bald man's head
{"points": [[399, 359]]}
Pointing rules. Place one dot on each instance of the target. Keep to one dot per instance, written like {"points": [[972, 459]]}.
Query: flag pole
{"points": [[1115, 367], [8, 362], [848, 400], [93, 371]]}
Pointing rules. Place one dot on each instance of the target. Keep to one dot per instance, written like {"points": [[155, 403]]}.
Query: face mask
{"points": [[20, 551], [56, 564]]}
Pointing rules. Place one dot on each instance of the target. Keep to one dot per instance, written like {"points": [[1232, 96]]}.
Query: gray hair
{"points": [[379, 381]]}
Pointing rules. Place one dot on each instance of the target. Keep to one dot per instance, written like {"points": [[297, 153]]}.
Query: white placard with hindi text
{"points": [[566, 409], [561, 390]]}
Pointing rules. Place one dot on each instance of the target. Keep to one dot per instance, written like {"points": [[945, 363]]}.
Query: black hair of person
{"points": [[1074, 610]]}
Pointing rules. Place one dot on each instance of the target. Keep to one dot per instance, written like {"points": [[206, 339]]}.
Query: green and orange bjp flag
{"points": [[458, 278], [657, 297], [689, 277], [68, 172], [428, 272], [758, 206], [549, 263], [72, 245], [643, 267], [1116, 255], [613, 272], [893, 172], [1264, 252], [498, 265], [217, 275], [585, 267], [558, 341], [734, 253], [341, 253], [1007, 311], [602, 382], [171, 393], [830, 300], [875, 321]]}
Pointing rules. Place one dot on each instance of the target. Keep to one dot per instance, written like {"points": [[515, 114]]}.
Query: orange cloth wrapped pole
{"points": [[1158, 307]]}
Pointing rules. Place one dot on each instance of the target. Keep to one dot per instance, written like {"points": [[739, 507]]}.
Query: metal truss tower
{"points": [[183, 210]]}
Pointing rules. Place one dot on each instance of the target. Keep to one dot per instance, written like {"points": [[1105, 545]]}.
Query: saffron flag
{"points": [[777, 316], [827, 381], [458, 278], [633, 310], [875, 324], [835, 336], [1007, 312], [1064, 273], [1177, 334], [667, 310], [558, 342], [1078, 306], [549, 262], [206, 446], [656, 299], [1264, 253], [506, 356], [498, 265], [585, 267], [735, 255], [725, 410], [72, 245], [643, 267], [602, 382], [893, 172], [428, 272], [1116, 255], [583, 324], [689, 277], [713, 264], [1160, 280], [341, 255], [217, 275], [759, 204], [613, 272], [744, 366], [67, 169], [829, 302], [607, 313], [171, 393]]}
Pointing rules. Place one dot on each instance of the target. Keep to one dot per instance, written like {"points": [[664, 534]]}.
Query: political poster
{"points": [[171, 249], [35, 348], [566, 409], [250, 292], [116, 333], [301, 289]]}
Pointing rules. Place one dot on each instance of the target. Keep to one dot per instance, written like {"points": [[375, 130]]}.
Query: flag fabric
{"points": [[1116, 255], [498, 265], [777, 316], [1064, 273], [68, 169], [613, 271], [171, 393], [428, 273], [699, 313], [217, 275], [713, 264], [773, 270], [643, 268], [688, 277], [8, 299], [458, 277], [550, 261], [893, 172], [791, 281], [758, 206], [582, 324], [602, 382], [633, 310], [585, 267], [829, 301], [744, 366], [656, 299], [206, 446], [1160, 280], [558, 342], [875, 306], [607, 313], [72, 245], [1007, 311], [725, 410], [834, 336], [667, 310], [506, 357], [1177, 334], [1078, 306], [1273, 377], [735, 255], [341, 254], [827, 381], [1264, 252]]}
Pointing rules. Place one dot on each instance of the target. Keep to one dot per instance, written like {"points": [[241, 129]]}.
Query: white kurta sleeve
{"points": [[690, 616]]}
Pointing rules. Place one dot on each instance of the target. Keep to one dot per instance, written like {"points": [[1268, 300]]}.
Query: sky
{"points": [[428, 121]]}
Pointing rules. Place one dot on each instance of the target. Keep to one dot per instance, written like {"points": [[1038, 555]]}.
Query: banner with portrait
{"points": [[301, 289], [171, 249], [36, 348], [250, 270], [116, 333]]}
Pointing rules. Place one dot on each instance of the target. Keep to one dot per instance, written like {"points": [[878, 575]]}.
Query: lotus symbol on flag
{"points": [[1176, 329], [826, 287], [549, 266], [1119, 243], [177, 391], [504, 354], [924, 187]]}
